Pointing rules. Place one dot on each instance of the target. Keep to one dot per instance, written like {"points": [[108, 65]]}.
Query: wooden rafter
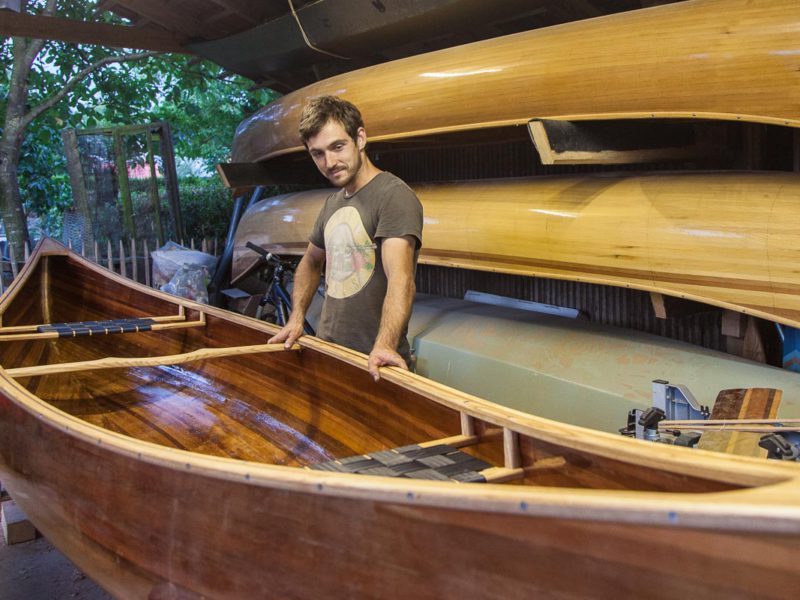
{"points": [[82, 32]]}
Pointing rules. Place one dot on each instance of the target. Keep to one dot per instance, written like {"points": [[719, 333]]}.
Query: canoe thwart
{"points": [[145, 361], [181, 316], [442, 462], [97, 327], [84, 328]]}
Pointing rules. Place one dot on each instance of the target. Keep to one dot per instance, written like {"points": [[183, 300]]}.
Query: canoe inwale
{"points": [[724, 59], [185, 480], [727, 239]]}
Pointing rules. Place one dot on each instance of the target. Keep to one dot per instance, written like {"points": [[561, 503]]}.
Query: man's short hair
{"points": [[318, 111]]}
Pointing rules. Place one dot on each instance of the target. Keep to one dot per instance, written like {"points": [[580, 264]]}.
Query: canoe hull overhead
{"points": [[725, 59], [185, 482], [726, 239]]}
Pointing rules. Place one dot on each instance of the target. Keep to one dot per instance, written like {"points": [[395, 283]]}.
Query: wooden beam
{"points": [[114, 362], [83, 32], [163, 15]]}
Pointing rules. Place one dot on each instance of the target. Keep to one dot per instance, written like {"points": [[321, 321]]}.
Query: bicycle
{"points": [[276, 294]]}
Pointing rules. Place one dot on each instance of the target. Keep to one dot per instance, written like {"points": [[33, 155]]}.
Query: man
{"points": [[368, 235]]}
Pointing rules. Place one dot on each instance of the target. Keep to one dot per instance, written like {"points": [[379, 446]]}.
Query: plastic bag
{"points": [[169, 258], [189, 281]]}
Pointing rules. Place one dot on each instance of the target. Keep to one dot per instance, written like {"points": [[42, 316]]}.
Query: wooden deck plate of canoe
{"points": [[198, 460]]}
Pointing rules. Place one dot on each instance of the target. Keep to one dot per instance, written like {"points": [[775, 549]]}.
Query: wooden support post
{"points": [[134, 261], [467, 425], [658, 305], [123, 268], [511, 452], [146, 264]]}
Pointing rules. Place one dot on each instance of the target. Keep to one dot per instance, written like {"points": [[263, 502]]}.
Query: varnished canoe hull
{"points": [[184, 481], [728, 239], [725, 59]]}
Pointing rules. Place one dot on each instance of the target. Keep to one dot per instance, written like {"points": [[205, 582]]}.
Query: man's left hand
{"points": [[384, 357]]}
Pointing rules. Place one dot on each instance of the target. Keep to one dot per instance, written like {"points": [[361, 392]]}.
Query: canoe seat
{"points": [[97, 327], [439, 463]]}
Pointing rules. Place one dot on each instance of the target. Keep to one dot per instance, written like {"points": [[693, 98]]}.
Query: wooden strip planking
{"points": [[147, 361]]}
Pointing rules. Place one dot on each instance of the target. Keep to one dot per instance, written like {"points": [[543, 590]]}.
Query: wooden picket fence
{"points": [[130, 259]]}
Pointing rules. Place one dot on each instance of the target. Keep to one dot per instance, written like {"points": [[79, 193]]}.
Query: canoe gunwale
{"points": [[763, 508]]}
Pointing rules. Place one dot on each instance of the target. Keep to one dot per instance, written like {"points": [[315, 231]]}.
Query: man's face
{"points": [[336, 154]]}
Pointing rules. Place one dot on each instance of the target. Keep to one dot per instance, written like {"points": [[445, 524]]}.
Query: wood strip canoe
{"points": [[189, 481], [727, 239], [719, 59]]}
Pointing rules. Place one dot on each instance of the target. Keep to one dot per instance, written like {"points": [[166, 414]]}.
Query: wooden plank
{"points": [[83, 32], [150, 361], [734, 404]]}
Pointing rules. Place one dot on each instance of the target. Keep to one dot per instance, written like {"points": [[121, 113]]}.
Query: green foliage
{"points": [[205, 207], [202, 105]]}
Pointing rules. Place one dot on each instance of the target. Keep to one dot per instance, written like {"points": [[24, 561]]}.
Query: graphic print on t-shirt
{"points": [[349, 253]]}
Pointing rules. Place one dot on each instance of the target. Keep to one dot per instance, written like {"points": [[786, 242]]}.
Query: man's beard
{"points": [[351, 174]]}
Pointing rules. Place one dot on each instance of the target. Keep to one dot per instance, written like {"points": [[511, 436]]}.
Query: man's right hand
{"points": [[288, 335]]}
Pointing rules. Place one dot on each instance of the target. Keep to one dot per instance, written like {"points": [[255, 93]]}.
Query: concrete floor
{"points": [[37, 571]]}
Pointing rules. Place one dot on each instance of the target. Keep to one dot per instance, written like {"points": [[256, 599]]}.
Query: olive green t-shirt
{"points": [[351, 230]]}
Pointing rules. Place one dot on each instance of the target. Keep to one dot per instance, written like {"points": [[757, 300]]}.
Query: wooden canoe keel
{"points": [[147, 475]]}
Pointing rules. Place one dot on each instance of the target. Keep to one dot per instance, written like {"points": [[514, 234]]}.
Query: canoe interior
{"points": [[292, 408]]}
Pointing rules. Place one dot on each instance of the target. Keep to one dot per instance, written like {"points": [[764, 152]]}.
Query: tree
{"points": [[50, 85], [61, 69]]}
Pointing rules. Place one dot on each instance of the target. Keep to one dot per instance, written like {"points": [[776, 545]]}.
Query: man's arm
{"points": [[306, 282], [397, 255]]}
